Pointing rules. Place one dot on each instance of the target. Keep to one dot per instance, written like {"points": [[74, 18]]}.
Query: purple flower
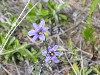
{"points": [[51, 54], [38, 33]]}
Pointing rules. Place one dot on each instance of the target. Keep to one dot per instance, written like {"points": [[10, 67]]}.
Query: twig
{"points": [[70, 64], [69, 61], [63, 32], [5, 70], [16, 66], [82, 66], [84, 52], [30, 68]]}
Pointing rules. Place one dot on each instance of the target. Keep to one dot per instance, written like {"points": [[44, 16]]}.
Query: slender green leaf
{"points": [[76, 68], [92, 9]]}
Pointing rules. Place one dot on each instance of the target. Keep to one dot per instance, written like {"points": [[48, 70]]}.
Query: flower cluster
{"points": [[38, 33], [51, 54]]}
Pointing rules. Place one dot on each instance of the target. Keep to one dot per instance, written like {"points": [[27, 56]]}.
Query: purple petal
{"points": [[47, 59], [55, 47], [45, 29], [34, 38], [55, 59], [44, 53], [42, 37], [35, 26], [51, 50], [32, 32], [42, 23], [49, 47], [58, 53]]}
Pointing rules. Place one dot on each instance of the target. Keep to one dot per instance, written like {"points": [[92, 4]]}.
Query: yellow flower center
{"points": [[51, 54], [40, 32]]}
